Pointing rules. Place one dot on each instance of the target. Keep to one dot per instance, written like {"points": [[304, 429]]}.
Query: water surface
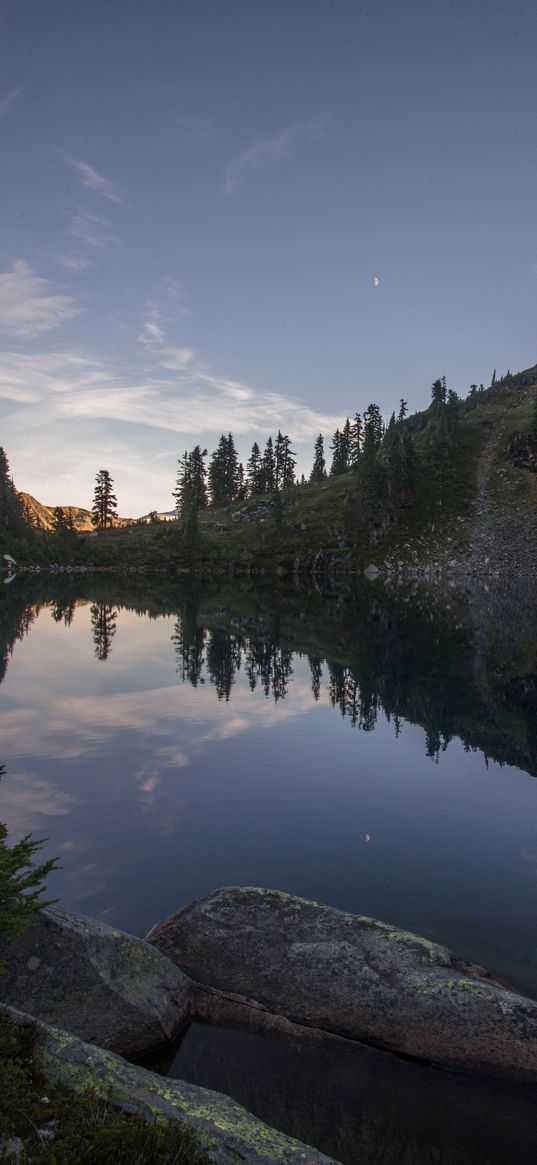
{"points": [[370, 753]]}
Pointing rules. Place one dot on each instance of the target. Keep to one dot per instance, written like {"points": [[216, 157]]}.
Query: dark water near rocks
{"points": [[359, 1105], [370, 751]]}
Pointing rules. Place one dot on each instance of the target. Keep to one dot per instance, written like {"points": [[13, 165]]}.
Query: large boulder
{"points": [[355, 977], [227, 1132], [98, 983]]}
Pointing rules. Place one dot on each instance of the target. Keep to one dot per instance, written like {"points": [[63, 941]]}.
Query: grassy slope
{"points": [[328, 517]]}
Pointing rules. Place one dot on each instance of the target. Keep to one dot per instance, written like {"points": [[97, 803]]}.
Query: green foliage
{"points": [[341, 450], [284, 461], [533, 423], [318, 472], [14, 521], [224, 475], [88, 1130], [21, 882], [190, 489], [104, 507]]}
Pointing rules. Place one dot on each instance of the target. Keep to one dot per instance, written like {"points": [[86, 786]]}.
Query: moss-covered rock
{"points": [[102, 985], [353, 976], [225, 1131]]}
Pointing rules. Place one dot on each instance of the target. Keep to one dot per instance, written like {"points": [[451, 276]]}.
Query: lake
{"points": [[372, 751]]}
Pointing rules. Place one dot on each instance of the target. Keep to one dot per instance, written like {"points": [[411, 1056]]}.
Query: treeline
{"points": [[383, 457]]}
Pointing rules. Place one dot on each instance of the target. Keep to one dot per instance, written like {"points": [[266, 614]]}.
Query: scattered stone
{"points": [[371, 572], [11, 1148]]}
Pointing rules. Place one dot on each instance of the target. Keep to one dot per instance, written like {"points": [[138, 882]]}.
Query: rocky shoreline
{"points": [[248, 956]]}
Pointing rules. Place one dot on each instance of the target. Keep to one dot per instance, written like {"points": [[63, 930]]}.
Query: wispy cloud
{"points": [[7, 101], [90, 177], [75, 262], [152, 333], [193, 400], [66, 413], [27, 306], [90, 230], [152, 336], [267, 151]]}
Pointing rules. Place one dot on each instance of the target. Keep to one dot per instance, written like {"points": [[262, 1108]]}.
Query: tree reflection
{"points": [[103, 623]]}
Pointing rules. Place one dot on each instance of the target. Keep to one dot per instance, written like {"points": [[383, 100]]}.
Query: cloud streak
{"points": [[90, 230], [267, 151], [7, 101], [27, 307], [90, 177]]}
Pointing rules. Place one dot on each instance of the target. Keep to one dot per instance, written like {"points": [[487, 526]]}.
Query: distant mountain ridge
{"points": [[43, 516]]}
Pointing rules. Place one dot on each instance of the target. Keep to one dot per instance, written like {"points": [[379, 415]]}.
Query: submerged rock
{"points": [[355, 977], [227, 1132], [102, 985]]}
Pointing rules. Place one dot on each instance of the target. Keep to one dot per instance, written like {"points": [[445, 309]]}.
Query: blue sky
{"points": [[196, 196]]}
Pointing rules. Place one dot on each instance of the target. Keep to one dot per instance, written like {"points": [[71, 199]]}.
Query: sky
{"points": [[249, 215]]}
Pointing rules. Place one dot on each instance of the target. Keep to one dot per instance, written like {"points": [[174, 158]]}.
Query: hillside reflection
{"points": [[463, 666]]}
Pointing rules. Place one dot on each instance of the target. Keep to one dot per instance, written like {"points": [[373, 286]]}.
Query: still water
{"points": [[370, 752]]}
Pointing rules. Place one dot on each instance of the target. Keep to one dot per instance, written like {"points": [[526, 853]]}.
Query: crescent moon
{"points": [[376, 281]]}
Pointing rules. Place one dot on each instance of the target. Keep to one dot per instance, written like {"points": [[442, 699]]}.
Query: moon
{"points": [[376, 281]]}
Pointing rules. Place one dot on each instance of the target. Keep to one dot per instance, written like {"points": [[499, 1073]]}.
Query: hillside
{"points": [[470, 508], [42, 515]]}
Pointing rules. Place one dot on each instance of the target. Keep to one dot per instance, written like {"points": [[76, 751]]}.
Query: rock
{"points": [[227, 1132], [355, 977], [101, 984], [371, 572], [11, 1149]]}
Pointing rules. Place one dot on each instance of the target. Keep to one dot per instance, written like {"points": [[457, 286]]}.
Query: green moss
{"points": [[89, 1130], [454, 987], [117, 1082]]}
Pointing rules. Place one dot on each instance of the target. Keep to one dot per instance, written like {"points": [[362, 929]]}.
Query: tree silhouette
{"points": [[103, 622], [104, 508]]}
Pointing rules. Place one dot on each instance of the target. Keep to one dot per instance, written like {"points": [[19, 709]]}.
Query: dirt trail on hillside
{"points": [[504, 533]]}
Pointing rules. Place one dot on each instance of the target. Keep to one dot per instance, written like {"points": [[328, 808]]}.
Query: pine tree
{"points": [[356, 439], [373, 425], [372, 477], [21, 882], [438, 394], [190, 489], [284, 460], [14, 522], [318, 472], [104, 508], [62, 522], [254, 472], [341, 449], [224, 471], [269, 468]]}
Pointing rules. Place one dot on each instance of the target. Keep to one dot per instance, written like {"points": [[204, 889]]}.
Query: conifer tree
{"points": [[21, 882], [372, 477], [254, 472], [190, 489], [224, 471], [438, 394], [341, 450], [318, 472], [356, 439], [269, 468], [284, 462], [14, 522], [104, 508]]}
